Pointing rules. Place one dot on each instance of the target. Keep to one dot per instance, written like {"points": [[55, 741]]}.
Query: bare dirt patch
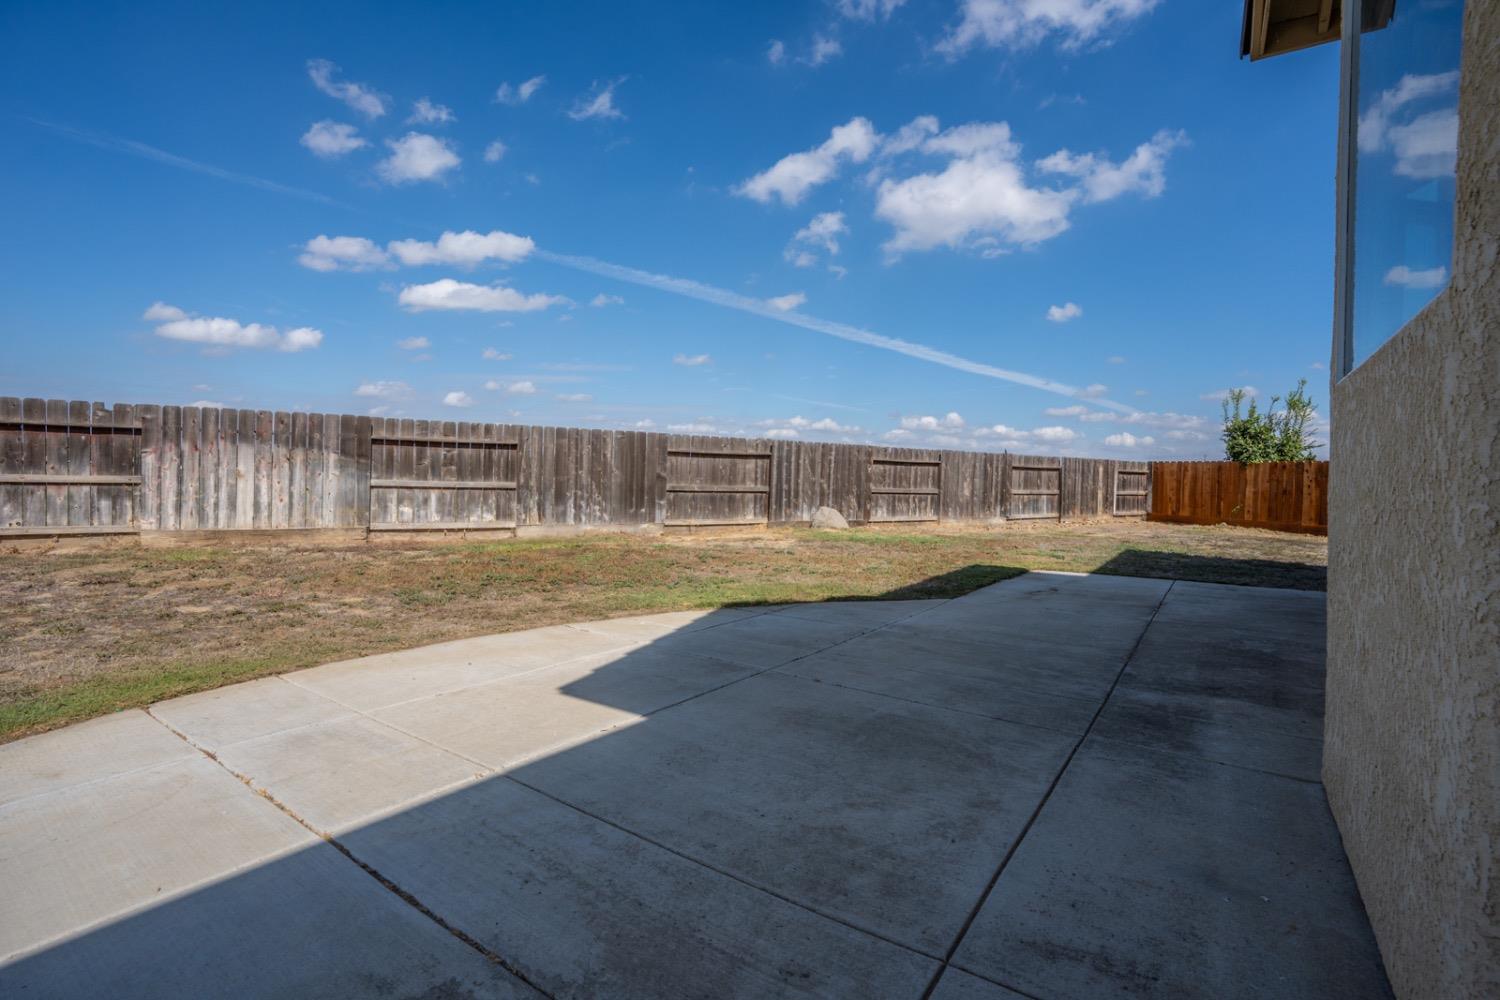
{"points": [[89, 630]]}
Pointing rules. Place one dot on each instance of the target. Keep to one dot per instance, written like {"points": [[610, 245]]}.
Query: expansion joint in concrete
{"points": [[406, 897], [1042, 803]]}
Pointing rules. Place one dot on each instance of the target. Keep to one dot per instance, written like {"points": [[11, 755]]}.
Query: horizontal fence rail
{"points": [[87, 468], [1282, 496]]}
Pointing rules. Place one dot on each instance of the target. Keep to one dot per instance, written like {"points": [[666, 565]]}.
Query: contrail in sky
{"points": [[744, 303], [131, 147]]}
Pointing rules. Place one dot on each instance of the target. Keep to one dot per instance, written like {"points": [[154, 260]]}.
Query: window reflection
{"points": [[1407, 144]]}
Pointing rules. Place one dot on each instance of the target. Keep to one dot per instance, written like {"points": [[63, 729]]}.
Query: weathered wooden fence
{"points": [[1284, 496], [86, 468]]}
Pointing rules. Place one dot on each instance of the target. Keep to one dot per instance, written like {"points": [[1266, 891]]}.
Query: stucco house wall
{"points": [[1412, 750]]}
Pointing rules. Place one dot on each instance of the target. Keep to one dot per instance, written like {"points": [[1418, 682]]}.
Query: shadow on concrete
{"points": [[1161, 565], [738, 831]]}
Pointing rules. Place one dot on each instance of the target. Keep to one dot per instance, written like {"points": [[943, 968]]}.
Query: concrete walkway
{"points": [[1060, 786]]}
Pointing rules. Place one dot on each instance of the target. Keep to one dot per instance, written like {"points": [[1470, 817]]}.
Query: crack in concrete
{"points": [[406, 897]]}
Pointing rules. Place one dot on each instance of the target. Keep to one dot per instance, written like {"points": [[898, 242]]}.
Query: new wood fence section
{"points": [[1284, 496], [87, 468]]}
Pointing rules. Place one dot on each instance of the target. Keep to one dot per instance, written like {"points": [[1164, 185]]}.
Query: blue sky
{"points": [[1046, 225]]}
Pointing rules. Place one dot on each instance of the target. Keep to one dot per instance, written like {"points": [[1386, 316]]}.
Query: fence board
{"points": [[227, 469], [12, 462], [1283, 496], [696, 464], [1132, 488], [1035, 488]]}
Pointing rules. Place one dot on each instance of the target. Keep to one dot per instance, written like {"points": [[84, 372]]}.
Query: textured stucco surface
{"points": [[1412, 752]]}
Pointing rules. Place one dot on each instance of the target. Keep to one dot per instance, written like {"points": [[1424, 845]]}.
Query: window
{"points": [[1401, 110]]}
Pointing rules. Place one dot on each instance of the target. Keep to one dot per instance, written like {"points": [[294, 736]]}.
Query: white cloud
{"points": [[782, 433], [645, 424], [1054, 435], [417, 157], [160, 312], [776, 52], [520, 94], [384, 390], [1093, 391], [522, 388], [979, 194], [1017, 24], [458, 398], [1066, 411], [910, 136], [698, 427], [1218, 395], [329, 138], [601, 300], [424, 112], [1426, 146], [786, 303], [465, 249], [1143, 172], [1114, 359], [357, 95], [446, 293], [494, 152], [801, 423], [823, 49], [1063, 313], [343, 253], [1125, 439], [791, 177], [823, 231], [490, 354], [208, 404], [868, 10], [951, 421], [600, 103], [575, 397], [1187, 436], [1402, 276], [226, 334], [413, 343], [692, 360], [983, 201]]}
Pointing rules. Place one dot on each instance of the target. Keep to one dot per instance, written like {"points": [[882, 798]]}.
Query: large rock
{"points": [[828, 519]]}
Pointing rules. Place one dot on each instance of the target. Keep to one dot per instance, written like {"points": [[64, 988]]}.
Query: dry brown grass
{"points": [[96, 629]]}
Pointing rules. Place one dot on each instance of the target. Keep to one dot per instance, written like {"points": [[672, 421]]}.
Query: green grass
{"points": [[98, 630], [141, 685]]}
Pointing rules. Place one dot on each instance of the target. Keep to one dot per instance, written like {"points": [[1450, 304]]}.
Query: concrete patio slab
{"points": [[216, 719], [89, 751], [820, 799], [88, 853], [643, 628], [339, 774], [866, 613], [509, 721], [1029, 682], [759, 647], [885, 814], [1158, 874], [959, 985], [308, 924], [391, 678], [584, 909]]}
